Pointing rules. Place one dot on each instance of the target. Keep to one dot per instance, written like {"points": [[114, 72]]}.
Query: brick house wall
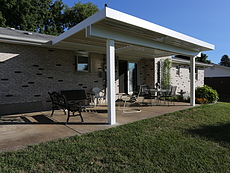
{"points": [[182, 81], [28, 73], [147, 72]]}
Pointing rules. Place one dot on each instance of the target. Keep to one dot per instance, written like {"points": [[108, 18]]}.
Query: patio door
{"points": [[127, 77]]}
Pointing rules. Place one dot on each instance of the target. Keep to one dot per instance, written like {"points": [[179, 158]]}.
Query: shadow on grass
{"points": [[217, 133]]}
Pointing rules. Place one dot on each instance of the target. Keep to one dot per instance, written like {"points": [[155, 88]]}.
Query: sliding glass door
{"points": [[127, 77], [132, 77]]}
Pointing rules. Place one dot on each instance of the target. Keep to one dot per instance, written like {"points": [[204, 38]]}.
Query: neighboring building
{"points": [[218, 77], [109, 42]]}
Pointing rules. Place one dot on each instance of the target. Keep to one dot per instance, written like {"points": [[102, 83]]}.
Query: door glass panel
{"points": [[132, 77]]}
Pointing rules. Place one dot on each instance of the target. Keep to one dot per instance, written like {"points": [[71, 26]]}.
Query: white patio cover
{"points": [[113, 32]]}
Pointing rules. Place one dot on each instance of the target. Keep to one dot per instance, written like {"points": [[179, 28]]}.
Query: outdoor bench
{"points": [[74, 95], [70, 100]]}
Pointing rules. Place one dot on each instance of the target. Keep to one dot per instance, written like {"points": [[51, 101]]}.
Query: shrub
{"points": [[206, 94]]}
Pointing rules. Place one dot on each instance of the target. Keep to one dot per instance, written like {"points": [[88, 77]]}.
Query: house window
{"points": [[82, 63], [177, 70]]}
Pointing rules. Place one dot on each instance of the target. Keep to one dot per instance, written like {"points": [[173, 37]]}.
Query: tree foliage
{"points": [[225, 61], [43, 16], [78, 13], [202, 58]]}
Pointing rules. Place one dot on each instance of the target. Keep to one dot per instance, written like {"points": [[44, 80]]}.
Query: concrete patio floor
{"points": [[19, 131]]}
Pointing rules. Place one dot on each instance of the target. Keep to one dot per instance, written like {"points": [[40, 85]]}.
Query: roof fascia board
{"points": [[126, 18], [18, 39], [82, 25], [95, 31]]}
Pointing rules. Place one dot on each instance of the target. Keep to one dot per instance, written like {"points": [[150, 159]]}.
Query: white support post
{"points": [[192, 80], [110, 56]]}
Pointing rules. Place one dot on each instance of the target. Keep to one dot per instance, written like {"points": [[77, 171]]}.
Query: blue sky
{"points": [[207, 20]]}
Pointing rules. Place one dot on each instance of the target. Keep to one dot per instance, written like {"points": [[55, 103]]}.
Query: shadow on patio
{"points": [[21, 130]]}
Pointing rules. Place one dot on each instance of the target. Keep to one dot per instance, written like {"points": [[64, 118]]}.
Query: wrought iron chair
{"points": [[59, 101], [147, 94], [169, 96]]}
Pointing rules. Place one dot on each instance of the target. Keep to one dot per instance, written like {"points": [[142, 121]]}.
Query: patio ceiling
{"points": [[134, 38]]}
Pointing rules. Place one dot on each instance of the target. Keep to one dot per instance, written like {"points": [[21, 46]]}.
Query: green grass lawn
{"points": [[192, 140]]}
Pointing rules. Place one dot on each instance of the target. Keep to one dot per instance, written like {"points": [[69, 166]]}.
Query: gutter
{"points": [[183, 61]]}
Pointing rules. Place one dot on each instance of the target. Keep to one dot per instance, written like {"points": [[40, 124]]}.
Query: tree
{"points": [[225, 61], [53, 22], [203, 58], [2, 20], [43, 16], [78, 13]]}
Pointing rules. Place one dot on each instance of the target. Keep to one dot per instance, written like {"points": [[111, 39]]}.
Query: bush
{"points": [[206, 94]]}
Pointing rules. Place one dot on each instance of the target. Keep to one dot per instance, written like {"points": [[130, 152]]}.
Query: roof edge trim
{"points": [[184, 61], [126, 18], [8, 37]]}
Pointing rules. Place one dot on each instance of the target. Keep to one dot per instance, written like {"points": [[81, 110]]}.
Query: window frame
{"points": [[77, 57]]}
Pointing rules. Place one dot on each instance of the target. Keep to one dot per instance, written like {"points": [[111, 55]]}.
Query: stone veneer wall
{"points": [[28, 73]]}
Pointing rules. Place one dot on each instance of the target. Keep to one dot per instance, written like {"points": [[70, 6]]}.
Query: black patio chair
{"points": [[169, 95], [147, 94], [59, 101]]}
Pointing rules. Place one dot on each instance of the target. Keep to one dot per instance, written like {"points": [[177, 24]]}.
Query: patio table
{"points": [[159, 93]]}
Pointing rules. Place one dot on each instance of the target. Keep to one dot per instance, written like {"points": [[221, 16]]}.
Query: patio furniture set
{"points": [[146, 93], [74, 101]]}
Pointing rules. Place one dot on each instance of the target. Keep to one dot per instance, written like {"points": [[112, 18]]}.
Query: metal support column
{"points": [[110, 55], [192, 79]]}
